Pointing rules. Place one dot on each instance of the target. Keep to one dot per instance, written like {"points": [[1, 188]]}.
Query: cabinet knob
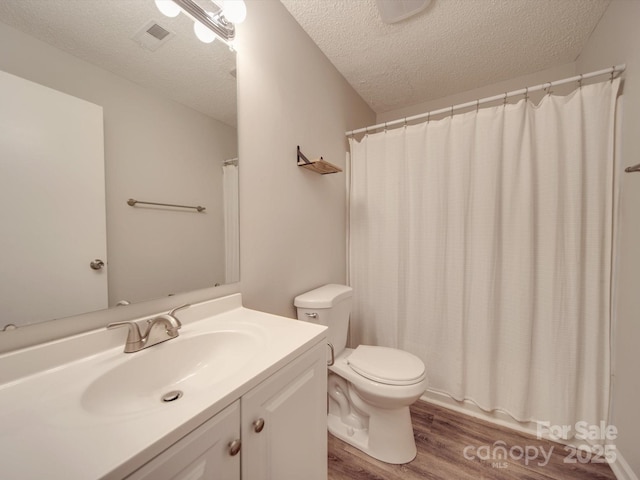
{"points": [[97, 264], [258, 425], [234, 447]]}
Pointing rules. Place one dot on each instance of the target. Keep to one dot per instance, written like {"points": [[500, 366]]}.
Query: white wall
{"points": [[155, 150], [616, 40], [292, 221]]}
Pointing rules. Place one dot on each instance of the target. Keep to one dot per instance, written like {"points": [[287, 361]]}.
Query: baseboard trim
{"points": [[621, 469]]}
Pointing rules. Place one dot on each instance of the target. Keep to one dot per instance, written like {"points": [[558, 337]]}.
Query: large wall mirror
{"points": [[166, 106]]}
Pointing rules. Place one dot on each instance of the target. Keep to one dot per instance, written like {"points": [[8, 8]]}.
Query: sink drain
{"points": [[171, 396]]}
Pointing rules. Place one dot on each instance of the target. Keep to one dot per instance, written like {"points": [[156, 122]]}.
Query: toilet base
{"points": [[389, 437]]}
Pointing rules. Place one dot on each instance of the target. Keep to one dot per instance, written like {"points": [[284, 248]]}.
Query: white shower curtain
{"points": [[483, 244], [231, 225]]}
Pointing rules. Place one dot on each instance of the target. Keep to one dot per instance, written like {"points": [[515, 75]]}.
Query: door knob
{"points": [[97, 264]]}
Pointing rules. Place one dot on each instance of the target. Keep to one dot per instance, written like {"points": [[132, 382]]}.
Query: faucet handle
{"points": [[173, 312], [134, 330]]}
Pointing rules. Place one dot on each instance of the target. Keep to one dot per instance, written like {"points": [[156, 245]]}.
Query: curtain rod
{"points": [[476, 103]]}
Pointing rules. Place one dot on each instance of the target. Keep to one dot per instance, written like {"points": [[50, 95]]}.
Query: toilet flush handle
{"points": [[311, 314]]}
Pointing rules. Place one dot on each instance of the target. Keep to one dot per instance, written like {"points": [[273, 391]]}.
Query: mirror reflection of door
{"points": [[52, 195]]}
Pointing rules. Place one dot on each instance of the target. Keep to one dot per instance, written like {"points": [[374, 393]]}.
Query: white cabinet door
{"points": [[204, 454], [292, 403], [52, 203]]}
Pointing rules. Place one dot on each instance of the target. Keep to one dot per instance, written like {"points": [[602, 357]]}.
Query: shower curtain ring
{"points": [[385, 127], [526, 93], [504, 100], [580, 82], [613, 69], [451, 111], [477, 105], [428, 117], [405, 122]]}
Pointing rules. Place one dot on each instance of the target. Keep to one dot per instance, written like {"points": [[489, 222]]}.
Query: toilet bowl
{"points": [[370, 388], [383, 429]]}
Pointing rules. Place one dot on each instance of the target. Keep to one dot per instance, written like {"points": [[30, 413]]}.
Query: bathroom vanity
{"points": [[238, 394]]}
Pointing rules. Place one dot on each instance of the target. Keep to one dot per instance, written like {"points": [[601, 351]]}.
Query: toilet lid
{"points": [[386, 365]]}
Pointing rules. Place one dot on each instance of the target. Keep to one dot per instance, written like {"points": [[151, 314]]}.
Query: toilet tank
{"points": [[329, 305]]}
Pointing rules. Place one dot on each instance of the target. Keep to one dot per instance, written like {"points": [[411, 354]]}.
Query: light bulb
{"points": [[168, 8], [203, 33], [234, 10]]}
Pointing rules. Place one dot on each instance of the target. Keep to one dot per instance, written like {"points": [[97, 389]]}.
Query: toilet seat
{"points": [[385, 365]]}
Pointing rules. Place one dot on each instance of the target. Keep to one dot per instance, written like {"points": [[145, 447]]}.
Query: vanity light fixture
{"points": [[234, 10], [208, 24], [203, 33], [168, 8]]}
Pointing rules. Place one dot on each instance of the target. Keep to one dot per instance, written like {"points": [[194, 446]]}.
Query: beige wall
{"points": [[617, 40], [292, 226], [155, 150]]}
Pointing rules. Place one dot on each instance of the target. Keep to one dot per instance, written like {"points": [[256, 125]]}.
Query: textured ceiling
{"points": [[452, 46], [99, 31]]}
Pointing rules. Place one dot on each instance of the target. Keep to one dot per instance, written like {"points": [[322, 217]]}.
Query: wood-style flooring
{"points": [[441, 437]]}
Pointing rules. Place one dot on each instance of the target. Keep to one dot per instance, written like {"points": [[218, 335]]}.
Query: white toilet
{"points": [[370, 388]]}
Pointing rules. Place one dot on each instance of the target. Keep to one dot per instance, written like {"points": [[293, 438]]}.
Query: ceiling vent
{"points": [[393, 11], [152, 36]]}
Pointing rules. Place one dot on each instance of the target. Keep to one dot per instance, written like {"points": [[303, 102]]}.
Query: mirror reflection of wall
{"points": [[169, 126]]}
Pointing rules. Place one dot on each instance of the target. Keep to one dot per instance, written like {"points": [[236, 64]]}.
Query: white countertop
{"points": [[47, 433]]}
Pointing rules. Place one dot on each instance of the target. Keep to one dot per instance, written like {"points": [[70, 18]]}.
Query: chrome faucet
{"points": [[159, 329]]}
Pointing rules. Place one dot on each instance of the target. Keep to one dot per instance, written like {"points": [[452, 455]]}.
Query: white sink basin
{"points": [[189, 365]]}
